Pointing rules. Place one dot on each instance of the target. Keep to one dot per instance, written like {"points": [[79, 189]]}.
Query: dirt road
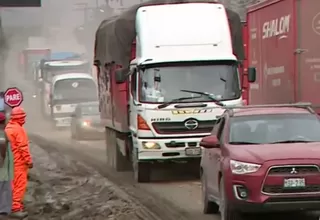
{"points": [[62, 188]]}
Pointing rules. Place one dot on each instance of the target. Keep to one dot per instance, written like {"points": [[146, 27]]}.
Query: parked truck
{"points": [[283, 44], [163, 71]]}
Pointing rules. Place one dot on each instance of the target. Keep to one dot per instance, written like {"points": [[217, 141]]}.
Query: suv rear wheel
{"points": [[209, 207], [226, 212]]}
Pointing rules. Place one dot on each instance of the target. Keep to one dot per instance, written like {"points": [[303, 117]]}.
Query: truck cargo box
{"points": [[114, 36], [284, 46]]}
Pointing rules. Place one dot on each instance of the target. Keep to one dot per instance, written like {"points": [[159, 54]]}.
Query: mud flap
{"points": [[114, 157]]}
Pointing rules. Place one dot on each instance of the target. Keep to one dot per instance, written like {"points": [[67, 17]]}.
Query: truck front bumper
{"points": [[168, 149]]}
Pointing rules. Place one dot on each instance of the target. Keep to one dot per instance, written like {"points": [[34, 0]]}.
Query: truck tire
{"points": [[72, 134], [77, 135], [115, 159], [42, 108], [141, 170], [194, 168], [226, 212]]}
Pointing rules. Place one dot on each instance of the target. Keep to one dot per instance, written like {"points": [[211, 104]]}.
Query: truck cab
{"points": [[30, 57]]}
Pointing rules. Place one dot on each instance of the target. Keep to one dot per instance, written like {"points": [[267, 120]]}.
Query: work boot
{"points": [[19, 214]]}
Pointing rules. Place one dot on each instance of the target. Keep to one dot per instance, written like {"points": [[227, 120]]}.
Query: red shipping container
{"points": [[284, 46]]}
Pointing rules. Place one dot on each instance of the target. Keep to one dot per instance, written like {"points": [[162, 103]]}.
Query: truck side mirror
{"points": [[121, 75], [252, 74]]}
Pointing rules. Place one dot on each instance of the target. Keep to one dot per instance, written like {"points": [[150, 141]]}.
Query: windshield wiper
{"points": [[291, 141], [217, 102], [165, 104], [242, 143]]}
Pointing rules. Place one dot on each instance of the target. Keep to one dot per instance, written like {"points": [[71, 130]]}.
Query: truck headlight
{"points": [[238, 167], [150, 145]]}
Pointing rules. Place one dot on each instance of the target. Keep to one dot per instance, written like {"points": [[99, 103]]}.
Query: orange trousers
{"points": [[19, 187]]}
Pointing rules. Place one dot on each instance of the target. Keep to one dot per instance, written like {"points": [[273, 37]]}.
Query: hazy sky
{"points": [[57, 12]]}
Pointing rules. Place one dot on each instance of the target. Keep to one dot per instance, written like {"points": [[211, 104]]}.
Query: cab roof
{"points": [[36, 49], [71, 76], [89, 104], [270, 111], [66, 63]]}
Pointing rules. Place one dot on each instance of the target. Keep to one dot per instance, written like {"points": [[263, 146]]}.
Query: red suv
{"points": [[262, 159]]}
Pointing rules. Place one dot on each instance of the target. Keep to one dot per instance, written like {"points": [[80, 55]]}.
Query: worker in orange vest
{"points": [[18, 138]]}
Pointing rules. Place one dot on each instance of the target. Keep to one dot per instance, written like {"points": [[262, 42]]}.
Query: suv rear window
{"points": [[263, 129]]}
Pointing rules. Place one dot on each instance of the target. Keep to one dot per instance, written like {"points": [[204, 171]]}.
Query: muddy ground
{"points": [[61, 188]]}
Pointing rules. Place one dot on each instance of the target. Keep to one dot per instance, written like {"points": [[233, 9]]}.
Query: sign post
{"points": [[13, 97]]}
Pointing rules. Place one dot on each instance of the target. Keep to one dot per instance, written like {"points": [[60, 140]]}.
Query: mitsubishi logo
{"points": [[293, 171], [191, 124]]}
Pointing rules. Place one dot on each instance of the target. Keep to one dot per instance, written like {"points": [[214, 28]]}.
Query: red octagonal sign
{"points": [[13, 97]]}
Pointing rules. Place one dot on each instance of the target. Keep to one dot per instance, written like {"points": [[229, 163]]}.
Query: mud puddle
{"points": [[61, 188]]}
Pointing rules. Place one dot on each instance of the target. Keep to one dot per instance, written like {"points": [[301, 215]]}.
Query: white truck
{"points": [[48, 70], [67, 91], [159, 98]]}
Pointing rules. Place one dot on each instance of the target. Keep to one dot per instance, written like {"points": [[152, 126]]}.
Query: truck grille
{"points": [[179, 127], [298, 169], [291, 172], [180, 144]]}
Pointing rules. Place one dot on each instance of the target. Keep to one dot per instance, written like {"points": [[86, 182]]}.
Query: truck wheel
{"points": [[115, 159], [43, 110], [72, 134], [194, 168], [53, 124], [141, 171], [226, 212], [77, 135]]}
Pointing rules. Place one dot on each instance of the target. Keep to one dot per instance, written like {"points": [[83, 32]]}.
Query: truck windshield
{"points": [[162, 84], [74, 91], [90, 110], [275, 128]]}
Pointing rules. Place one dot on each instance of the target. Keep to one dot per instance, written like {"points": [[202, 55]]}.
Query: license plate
{"points": [[64, 121], [193, 151], [294, 183]]}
